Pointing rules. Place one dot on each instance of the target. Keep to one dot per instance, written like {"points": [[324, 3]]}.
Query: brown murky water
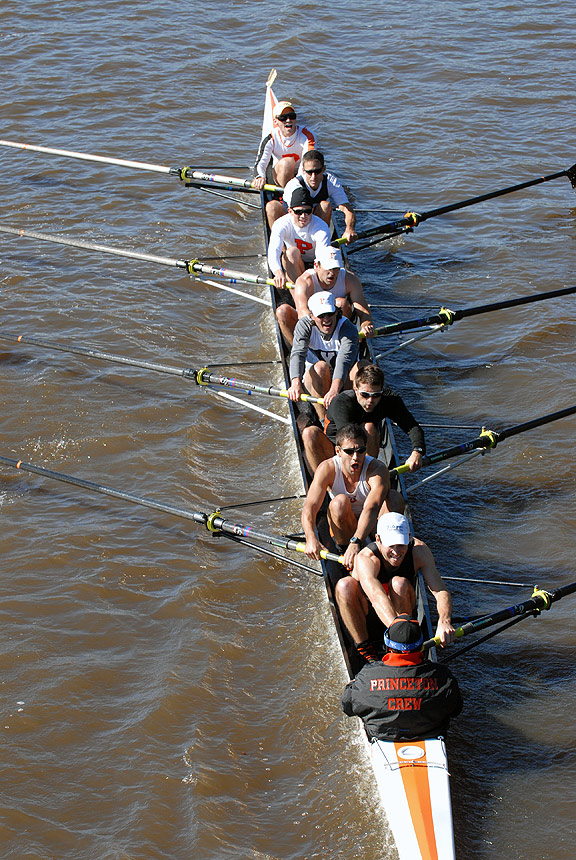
{"points": [[166, 694]]}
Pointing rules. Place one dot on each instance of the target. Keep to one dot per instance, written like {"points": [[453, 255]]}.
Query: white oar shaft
{"points": [[84, 156], [91, 246], [245, 403]]}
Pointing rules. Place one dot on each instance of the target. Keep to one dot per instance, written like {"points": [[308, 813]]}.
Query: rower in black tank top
{"points": [[406, 569]]}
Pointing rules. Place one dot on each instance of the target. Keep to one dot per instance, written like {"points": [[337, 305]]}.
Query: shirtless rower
{"points": [[328, 274], [324, 352], [325, 191], [294, 240], [384, 579], [358, 486], [285, 147]]}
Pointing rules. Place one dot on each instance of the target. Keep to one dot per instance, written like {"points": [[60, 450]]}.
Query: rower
{"points": [[325, 191], [295, 239], [404, 695], [284, 147], [384, 581], [324, 352], [357, 485], [369, 403]]}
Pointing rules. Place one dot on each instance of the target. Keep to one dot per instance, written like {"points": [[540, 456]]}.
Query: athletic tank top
{"points": [[358, 497], [320, 349], [317, 196], [339, 288], [406, 569]]}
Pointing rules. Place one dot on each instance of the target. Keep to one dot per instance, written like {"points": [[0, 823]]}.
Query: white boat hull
{"points": [[414, 786]]}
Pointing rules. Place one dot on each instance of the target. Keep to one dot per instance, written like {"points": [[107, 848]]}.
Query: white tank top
{"points": [[339, 288], [358, 497]]}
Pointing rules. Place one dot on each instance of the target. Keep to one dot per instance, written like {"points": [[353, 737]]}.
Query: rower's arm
{"points": [[424, 562], [366, 571], [379, 484], [318, 489], [301, 294], [349, 221], [356, 293]]}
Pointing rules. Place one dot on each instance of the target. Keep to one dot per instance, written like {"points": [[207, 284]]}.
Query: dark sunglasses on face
{"points": [[326, 315], [314, 171], [370, 394], [361, 449], [285, 116], [302, 211]]}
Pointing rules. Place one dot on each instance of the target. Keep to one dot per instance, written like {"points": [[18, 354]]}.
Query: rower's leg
{"points": [[318, 381], [287, 319], [284, 171], [274, 210], [342, 519], [317, 447], [373, 433], [324, 210], [353, 605], [394, 503], [402, 595], [293, 263]]}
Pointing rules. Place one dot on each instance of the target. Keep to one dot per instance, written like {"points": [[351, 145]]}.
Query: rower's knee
{"points": [[347, 591], [394, 503]]}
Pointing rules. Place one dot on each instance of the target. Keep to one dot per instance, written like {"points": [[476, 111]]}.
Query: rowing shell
{"points": [[412, 776]]}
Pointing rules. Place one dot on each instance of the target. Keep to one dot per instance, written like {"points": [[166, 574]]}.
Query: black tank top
{"points": [[406, 569], [320, 195]]}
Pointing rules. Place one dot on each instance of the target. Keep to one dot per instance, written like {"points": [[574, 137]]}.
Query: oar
{"points": [[540, 600], [201, 377], [190, 266], [181, 172], [213, 522], [446, 316], [487, 439], [412, 219]]}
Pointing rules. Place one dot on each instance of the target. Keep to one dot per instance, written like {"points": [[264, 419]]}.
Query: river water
{"points": [[166, 694]]}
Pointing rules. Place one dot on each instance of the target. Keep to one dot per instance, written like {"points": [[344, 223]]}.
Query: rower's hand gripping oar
{"points": [[539, 601], [413, 219], [186, 174], [487, 439], [213, 522]]}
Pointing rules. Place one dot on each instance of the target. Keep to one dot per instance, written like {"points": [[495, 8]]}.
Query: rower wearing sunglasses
{"points": [[369, 403], [324, 352], [358, 486], [284, 148], [325, 191]]}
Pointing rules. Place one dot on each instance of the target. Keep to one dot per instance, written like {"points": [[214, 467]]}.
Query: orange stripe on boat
{"points": [[417, 788]]}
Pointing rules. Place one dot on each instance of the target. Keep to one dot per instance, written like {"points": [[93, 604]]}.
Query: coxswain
{"points": [[404, 695], [369, 403], [295, 239], [357, 485], [284, 147], [325, 190], [324, 352], [384, 580]]}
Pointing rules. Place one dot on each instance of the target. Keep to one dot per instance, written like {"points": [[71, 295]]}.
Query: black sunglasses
{"points": [[370, 394], [361, 449], [302, 211], [314, 171], [284, 116]]}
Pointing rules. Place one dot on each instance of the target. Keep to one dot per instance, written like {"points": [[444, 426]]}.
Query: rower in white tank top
{"points": [[358, 497], [339, 288]]}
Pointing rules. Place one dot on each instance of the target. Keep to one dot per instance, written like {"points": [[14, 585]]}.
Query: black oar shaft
{"points": [[447, 317], [442, 210], [539, 600], [536, 422]]}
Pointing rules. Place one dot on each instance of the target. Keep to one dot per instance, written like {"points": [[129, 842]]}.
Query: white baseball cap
{"points": [[321, 303], [328, 258], [393, 529]]}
